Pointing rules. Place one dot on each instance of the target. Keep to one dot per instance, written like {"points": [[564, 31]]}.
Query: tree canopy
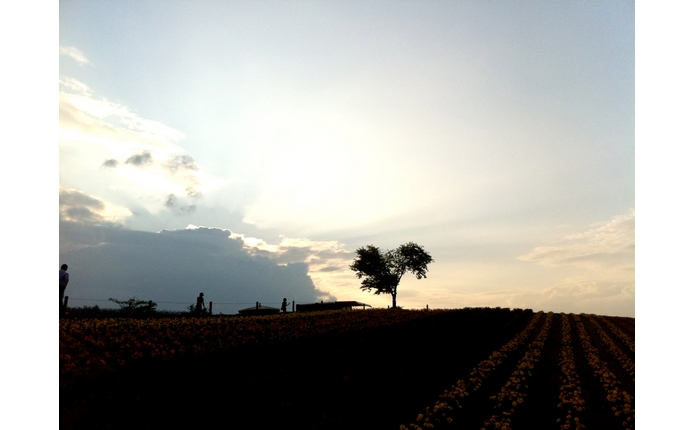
{"points": [[382, 271]]}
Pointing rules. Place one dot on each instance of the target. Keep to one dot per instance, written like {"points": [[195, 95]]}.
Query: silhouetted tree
{"points": [[135, 306], [382, 270]]}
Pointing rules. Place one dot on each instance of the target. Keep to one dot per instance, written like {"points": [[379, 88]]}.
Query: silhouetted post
{"points": [[257, 304], [428, 307], [293, 306], [211, 308]]}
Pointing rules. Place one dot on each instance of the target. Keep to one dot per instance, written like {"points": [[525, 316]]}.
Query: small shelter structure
{"points": [[330, 306], [259, 310]]}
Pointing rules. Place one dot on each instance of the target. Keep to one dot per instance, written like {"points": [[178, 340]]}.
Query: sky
{"points": [[247, 149]]}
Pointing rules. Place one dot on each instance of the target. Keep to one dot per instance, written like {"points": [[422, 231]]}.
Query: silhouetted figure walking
{"points": [[284, 305], [63, 282], [200, 304]]}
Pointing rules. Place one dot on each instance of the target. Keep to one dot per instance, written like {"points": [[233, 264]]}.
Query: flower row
{"points": [[571, 399], [514, 391], [626, 339], [626, 362], [622, 401], [450, 399]]}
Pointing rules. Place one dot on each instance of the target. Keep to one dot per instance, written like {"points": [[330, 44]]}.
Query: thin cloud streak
{"points": [[608, 244], [78, 99], [74, 54]]}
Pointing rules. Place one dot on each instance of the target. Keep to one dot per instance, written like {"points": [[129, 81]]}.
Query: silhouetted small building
{"points": [[330, 306], [259, 310]]}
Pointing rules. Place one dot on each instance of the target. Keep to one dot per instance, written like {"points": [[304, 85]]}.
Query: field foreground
{"points": [[383, 369]]}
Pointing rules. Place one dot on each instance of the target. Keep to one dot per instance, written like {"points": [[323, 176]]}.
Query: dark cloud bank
{"points": [[175, 266]]}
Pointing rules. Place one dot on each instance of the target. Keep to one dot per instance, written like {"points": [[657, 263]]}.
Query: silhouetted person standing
{"points": [[284, 305], [63, 282], [200, 303]]}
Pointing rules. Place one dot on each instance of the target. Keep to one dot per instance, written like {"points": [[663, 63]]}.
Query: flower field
{"points": [[590, 374], [93, 346], [474, 368]]}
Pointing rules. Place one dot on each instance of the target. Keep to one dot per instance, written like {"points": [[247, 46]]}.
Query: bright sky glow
{"points": [[499, 136]]}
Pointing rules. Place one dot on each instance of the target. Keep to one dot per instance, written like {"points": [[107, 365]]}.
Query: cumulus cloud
{"points": [[143, 153], [142, 159], [79, 207], [173, 266], [111, 163], [328, 262], [74, 54], [172, 203], [181, 162]]}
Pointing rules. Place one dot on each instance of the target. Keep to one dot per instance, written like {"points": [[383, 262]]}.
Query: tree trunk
{"points": [[393, 296]]}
